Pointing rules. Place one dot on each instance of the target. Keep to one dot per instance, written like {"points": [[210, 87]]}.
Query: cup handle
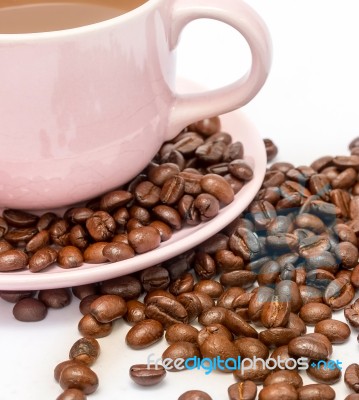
{"points": [[194, 107]]}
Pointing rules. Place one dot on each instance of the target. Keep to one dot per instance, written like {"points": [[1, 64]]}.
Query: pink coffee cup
{"points": [[83, 110]]}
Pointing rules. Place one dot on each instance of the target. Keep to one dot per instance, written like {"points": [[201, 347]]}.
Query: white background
{"points": [[309, 107]]}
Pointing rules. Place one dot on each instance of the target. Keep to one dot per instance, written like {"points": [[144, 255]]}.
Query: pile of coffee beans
{"points": [[187, 183], [288, 262]]}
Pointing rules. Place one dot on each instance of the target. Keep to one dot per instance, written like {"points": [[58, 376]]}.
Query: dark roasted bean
{"points": [[79, 376], [147, 375], [339, 293], [336, 331], [195, 395], [322, 373], [181, 332], [316, 391], [166, 310], [351, 377], [144, 334], [85, 350], [43, 258], [12, 260], [89, 326], [126, 286], [183, 350], [19, 219], [55, 298], [29, 310]]}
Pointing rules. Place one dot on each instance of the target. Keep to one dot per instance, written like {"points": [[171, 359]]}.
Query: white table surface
{"points": [[309, 107]]}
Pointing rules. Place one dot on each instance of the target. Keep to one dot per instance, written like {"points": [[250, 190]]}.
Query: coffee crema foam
{"points": [[24, 16]]}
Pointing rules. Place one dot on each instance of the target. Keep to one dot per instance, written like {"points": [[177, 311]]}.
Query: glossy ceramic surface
{"points": [[84, 110], [241, 129]]}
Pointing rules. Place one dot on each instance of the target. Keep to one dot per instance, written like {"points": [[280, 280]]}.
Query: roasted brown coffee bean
{"points": [[338, 294], [316, 391], [78, 237], [213, 329], [351, 377], [322, 163], [135, 312], [347, 254], [245, 243], [182, 350], [12, 260], [62, 365], [211, 152], [59, 232], [353, 396], [147, 375], [312, 313], [204, 266], [164, 230], [79, 376], [283, 358], [207, 206], [270, 194], [213, 288], [39, 240], [257, 301], [4, 245], [101, 226], [70, 257], [297, 324], [155, 277], [207, 126], [181, 332], [319, 278], [240, 169], [147, 194], [168, 215], [281, 166], [158, 293], [271, 149], [115, 199], [144, 334], [184, 284], [72, 394], [251, 347], [166, 310], [217, 186], [276, 337], [85, 350], [126, 286], [118, 251], [256, 373], [195, 395], [19, 219], [341, 199], [108, 307], [89, 326], [243, 279], [55, 298], [227, 261], [160, 173], [289, 291], [43, 258], [336, 331], [319, 184], [309, 221], [172, 190], [237, 325], [85, 303], [310, 294], [246, 390], [343, 162], [269, 273], [273, 179], [351, 314], [13, 296], [29, 310], [94, 253], [194, 303], [214, 315], [313, 245], [310, 346], [275, 312], [285, 376], [3, 227], [354, 278], [220, 346], [322, 373], [78, 215], [345, 180], [228, 296], [262, 213], [45, 221], [278, 390]]}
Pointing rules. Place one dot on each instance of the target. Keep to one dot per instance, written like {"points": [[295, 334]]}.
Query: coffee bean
{"points": [[251, 347], [72, 394], [310, 346], [278, 390], [316, 391], [322, 373], [213, 288], [275, 312], [312, 313], [79, 376], [297, 324], [194, 303], [237, 325], [168, 215], [246, 390], [42, 259], [214, 315], [353, 396], [115, 252], [147, 194], [181, 332], [336, 331], [70, 257], [45, 221], [41, 239], [29, 310], [94, 253], [85, 303], [55, 298], [155, 277], [158, 293], [283, 358], [101, 226], [107, 308], [338, 294], [13, 296], [147, 375], [271, 149], [85, 350], [310, 294], [179, 350], [19, 219], [82, 291], [135, 312], [78, 237], [243, 279], [144, 334], [13, 260], [183, 284], [354, 279], [89, 326], [59, 232], [351, 377], [217, 186], [257, 301], [285, 376], [276, 337], [213, 329], [257, 373], [172, 190], [245, 243], [166, 310], [126, 286], [195, 395]]}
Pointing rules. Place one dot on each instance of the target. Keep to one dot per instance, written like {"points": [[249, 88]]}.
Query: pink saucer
{"points": [[241, 129]]}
